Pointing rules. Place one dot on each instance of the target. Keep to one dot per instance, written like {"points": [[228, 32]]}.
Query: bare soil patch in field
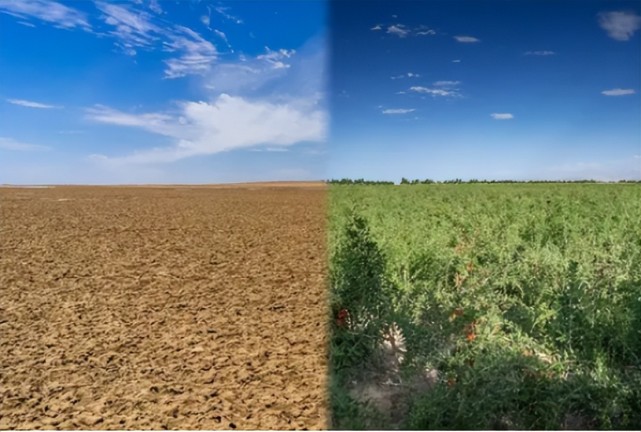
{"points": [[163, 307]]}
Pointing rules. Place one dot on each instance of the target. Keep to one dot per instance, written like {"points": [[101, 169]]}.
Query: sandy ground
{"points": [[176, 307]]}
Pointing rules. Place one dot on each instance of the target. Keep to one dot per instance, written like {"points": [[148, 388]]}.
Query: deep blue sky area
{"points": [[485, 89], [159, 91]]}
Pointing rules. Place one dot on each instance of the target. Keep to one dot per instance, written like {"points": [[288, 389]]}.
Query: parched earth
{"points": [[163, 307]]}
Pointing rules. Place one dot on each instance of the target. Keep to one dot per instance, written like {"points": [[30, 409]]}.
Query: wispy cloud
{"points": [[224, 11], [456, 61], [14, 145], [502, 116], [398, 30], [618, 92], [402, 30], [270, 149], [539, 53], [155, 7], [425, 32], [447, 83], [275, 72], [158, 123], [406, 75], [223, 36], [226, 123], [31, 104], [247, 103], [433, 91], [132, 28], [398, 110], [466, 39], [440, 88], [275, 58], [136, 29], [620, 25], [55, 13], [196, 57]]}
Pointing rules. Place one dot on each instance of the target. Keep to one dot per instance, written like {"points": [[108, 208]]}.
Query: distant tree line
{"points": [[405, 181], [360, 181]]}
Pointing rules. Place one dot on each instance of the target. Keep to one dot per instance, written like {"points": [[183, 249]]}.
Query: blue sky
{"points": [[485, 89], [147, 91]]}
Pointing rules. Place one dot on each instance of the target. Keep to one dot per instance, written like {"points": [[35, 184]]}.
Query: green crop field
{"points": [[518, 306]]}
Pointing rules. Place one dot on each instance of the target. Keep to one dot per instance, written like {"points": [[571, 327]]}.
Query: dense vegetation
{"points": [[525, 298], [404, 181]]}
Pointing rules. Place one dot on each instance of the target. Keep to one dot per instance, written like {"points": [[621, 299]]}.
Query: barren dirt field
{"points": [[163, 307]]}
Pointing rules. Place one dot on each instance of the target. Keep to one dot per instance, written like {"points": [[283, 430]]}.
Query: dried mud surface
{"points": [[162, 308]]}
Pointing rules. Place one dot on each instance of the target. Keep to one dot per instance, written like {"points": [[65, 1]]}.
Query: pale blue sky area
{"points": [[162, 91]]}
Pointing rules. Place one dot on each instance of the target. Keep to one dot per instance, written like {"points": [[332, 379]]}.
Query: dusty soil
{"points": [[175, 307]]}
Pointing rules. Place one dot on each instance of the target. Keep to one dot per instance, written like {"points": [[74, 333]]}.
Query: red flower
{"points": [[470, 333], [343, 317]]}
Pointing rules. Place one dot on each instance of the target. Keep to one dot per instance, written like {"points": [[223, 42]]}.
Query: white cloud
{"points": [[446, 83], [303, 72], [620, 25], [31, 104], [618, 92], [223, 10], [502, 116], [444, 89], [424, 30], [456, 61], [398, 30], [157, 123], [59, 15], [223, 36], [205, 20], [407, 75], [133, 28], [197, 53], [227, 123], [398, 110], [466, 39], [270, 149], [155, 7], [249, 102], [402, 30], [275, 58], [540, 53], [136, 29], [12, 144], [433, 92]]}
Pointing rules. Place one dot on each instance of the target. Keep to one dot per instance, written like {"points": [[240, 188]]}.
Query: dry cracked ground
{"points": [[163, 307]]}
